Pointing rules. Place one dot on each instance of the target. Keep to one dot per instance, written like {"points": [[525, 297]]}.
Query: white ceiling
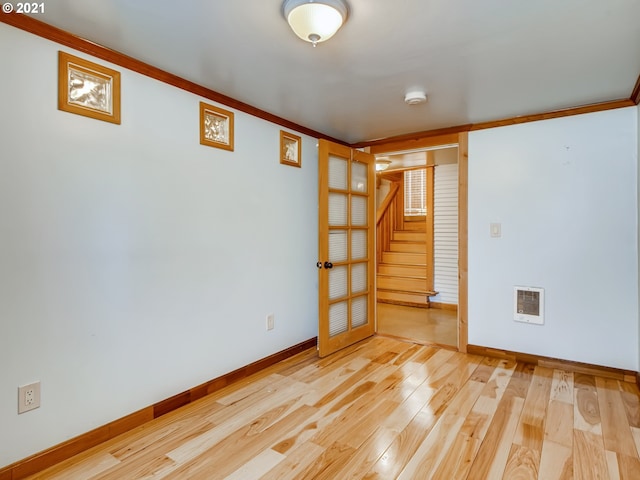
{"points": [[479, 60]]}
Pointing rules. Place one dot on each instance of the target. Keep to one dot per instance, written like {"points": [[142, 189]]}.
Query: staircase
{"points": [[402, 275]]}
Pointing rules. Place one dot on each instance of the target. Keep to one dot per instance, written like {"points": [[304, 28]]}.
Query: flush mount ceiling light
{"points": [[382, 163], [415, 97], [315, 21]]}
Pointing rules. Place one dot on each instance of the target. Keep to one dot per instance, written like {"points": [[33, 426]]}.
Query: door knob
{"points": [[319, 264], [328, 265]]}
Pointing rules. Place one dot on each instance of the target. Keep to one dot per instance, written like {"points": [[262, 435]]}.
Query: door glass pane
{"points": [[359, 278], [359, 311], [337, 282], [338, 318], [337, 173], [337, 209], [358, 244], [358, 210], [338, 246], [358, 177]]}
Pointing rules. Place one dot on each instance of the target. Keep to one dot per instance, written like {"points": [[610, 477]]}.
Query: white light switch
{"points": [[496, 230]]}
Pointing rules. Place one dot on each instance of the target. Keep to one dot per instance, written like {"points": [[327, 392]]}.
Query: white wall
{"points": [[565, 193], [134, 262]]}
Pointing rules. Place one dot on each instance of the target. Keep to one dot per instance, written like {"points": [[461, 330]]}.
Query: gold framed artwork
{"points": [[290, 149], [88, 89], [216, 127]]}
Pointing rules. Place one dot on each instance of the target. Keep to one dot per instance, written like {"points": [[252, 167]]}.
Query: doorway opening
{"points": [[417, 245]]}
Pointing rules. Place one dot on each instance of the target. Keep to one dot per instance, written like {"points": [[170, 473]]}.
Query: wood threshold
{"points": [[443, 346], [557, 363], [56, 454], [62, 37]]}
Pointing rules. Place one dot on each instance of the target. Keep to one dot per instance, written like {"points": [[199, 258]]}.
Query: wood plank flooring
{"points": [[422, 325], [386, 409]]}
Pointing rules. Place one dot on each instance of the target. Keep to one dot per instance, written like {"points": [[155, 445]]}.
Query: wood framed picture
{"points": [[88, 89], [216, 127], [290, 149]]}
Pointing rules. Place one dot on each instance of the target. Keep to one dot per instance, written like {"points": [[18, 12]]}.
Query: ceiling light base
{"points": [[415, 97]]}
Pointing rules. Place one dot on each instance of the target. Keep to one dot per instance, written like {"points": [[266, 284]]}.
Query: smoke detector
{"points": [[415, 97]]}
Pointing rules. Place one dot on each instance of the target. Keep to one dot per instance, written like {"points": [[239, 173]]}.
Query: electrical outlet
{"points": [[28, 397], [270, 321]]}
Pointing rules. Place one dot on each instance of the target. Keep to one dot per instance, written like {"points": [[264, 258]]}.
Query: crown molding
{"points": [[635, 95], [62, 37], [65, 38], [417, 139]]}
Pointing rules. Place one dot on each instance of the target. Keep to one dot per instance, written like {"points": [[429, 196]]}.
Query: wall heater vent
{"points": [[528, 305]]}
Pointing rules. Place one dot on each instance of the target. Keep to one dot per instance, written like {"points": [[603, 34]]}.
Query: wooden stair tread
{"points": [[414, 226], [412, 299], [401, 274], [407, 247], [402, 283], [410, 254], [428, 293], [404, 258], [394, 264], [413, 277], [404, 303], [389, 265], [410, 242]]}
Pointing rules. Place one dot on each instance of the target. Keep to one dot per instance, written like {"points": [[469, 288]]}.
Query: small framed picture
{"points": [[216, 127], [290, 149], [88, 89]]}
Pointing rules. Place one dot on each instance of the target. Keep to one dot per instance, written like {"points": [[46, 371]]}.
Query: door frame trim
{"points": [[461, 139], [463, 240]]}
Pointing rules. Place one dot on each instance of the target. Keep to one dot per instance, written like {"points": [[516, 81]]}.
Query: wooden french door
{"points": [[346, 263]]}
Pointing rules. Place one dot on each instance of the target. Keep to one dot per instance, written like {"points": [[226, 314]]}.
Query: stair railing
{"points": [[386, 221]]}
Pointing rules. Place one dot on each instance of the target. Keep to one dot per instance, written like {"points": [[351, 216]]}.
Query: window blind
{"points": [[415, 192]]}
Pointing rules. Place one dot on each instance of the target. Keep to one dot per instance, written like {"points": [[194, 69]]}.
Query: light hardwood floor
{"points": [[386, 409], [422, 325]]}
